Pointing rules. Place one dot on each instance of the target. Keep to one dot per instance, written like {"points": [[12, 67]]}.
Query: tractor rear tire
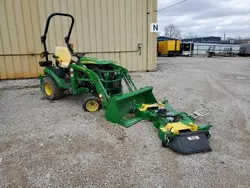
{"points": [[91, 103], [51, 89]]}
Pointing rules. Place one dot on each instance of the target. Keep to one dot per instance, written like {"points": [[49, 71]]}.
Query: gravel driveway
{"points": [[56, 144]]}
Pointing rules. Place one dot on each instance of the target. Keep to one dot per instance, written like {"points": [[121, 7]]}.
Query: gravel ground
{"points": [[57, 144]]}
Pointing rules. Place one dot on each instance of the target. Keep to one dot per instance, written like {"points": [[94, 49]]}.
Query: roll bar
{"points": [[66, 39]]}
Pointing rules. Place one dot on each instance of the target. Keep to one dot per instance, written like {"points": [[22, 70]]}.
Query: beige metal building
{"points": [[110, 29]]}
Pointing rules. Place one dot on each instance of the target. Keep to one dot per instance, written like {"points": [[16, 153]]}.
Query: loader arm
{"points": [[127, 78], [94, 79]]}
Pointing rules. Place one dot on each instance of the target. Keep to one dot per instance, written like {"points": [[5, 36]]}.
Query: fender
{"points": [[60, 82]]}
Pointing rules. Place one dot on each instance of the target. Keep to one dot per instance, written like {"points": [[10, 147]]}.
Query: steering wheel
{"points": [[79, 55]]}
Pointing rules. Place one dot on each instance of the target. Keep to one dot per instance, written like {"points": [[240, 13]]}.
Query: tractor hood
{"points": [[91, 60]]}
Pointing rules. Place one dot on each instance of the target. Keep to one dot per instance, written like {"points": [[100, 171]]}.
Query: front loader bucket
{"points": [[119, 108]]}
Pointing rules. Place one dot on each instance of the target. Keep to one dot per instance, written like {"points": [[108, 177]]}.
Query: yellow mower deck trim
{"points": [[144, 107], [176, 127]]}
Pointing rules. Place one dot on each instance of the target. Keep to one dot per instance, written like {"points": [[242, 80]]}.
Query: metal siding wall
{"points": [[6, 41], [101, 25], [152, 37], [3, 68], [138, 61]]}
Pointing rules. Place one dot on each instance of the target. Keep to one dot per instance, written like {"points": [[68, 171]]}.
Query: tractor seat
{"points": [[63, 56]]}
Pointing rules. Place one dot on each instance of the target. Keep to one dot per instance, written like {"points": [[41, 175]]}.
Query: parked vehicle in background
{"points": [[187, 49], [244, 50], [168, 48]]}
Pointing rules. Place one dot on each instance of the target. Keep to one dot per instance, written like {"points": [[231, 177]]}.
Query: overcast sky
{"points": [[207, 17]]}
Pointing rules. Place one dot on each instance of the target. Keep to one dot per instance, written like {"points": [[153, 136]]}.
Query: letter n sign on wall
{"points": [[154, 27]]}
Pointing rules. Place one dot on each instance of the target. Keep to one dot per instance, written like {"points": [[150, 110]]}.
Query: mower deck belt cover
{"points": [[190, 142]]}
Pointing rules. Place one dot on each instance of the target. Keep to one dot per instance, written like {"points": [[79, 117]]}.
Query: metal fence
{"points": [[201, 48]]}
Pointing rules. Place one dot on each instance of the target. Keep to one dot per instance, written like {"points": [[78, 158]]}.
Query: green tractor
{"points": [[101, 81]]}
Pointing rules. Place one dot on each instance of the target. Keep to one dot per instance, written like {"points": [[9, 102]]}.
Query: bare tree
{"points": [[172, 31], [190, 36]]}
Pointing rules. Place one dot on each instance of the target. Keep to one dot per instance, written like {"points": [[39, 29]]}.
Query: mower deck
{"points": [[190, 142]]}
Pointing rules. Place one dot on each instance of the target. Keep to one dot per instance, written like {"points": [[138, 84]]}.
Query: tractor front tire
{"points": [[91, 103], [51, 89]]}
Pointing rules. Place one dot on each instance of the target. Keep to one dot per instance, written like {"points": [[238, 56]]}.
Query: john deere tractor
{"points": [[101, 81]]}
